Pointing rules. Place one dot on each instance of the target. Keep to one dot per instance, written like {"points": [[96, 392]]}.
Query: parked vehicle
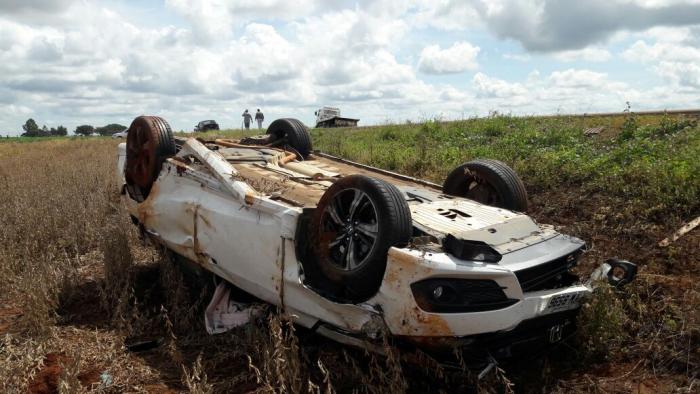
{"points": [[351, 251], [330, 117], [206, 125], [121, 134]]}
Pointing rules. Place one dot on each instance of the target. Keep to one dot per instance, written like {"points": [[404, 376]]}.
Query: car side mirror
{"points": [[621, 272], [617, 272]]}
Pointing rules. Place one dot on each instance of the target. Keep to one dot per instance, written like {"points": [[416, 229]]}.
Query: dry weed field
{"points": [[77, 284]]}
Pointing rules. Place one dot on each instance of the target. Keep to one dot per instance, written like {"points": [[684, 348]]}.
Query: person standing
{"points": [[259, 117], [246, 119]]}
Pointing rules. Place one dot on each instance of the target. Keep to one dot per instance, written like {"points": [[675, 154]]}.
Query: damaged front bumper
{"points": [[533, 321]]}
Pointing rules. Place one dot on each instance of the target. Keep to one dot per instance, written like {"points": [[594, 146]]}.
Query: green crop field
{"points": [[76, 282]]}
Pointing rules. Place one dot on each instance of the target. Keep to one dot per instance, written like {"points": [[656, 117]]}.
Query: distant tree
{"points": [[31, 129], [44, 131], [60, 130], [110, 129], [84, 130]]}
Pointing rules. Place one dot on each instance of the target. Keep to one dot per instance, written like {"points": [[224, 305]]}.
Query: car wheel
{"points": [[148, 143], [355, 223], [489, 182], [295, 133]]}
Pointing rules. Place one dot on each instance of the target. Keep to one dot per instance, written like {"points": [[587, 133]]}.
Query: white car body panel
{"points": [[248, 239]]}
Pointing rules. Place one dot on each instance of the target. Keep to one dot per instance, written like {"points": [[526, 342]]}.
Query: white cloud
{"points": [[488, 87], [460, 57], [212, 20], [589, 54], [555, 25], [567, 91], [15, 7], [640, 51], [572, 78], [76, 62], [673, 58], [520, 57], [681, 74], [447, 14]]}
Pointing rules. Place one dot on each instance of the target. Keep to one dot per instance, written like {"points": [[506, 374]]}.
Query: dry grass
{"points": [[76, 283]]}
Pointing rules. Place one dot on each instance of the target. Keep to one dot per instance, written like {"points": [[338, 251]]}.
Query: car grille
{"points": [[551, 275]]}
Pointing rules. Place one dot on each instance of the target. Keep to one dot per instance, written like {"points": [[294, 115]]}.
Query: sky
{"points": [[73, 62]]}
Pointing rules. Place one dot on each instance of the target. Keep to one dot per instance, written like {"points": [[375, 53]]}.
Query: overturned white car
{"points": [[350, 250]]}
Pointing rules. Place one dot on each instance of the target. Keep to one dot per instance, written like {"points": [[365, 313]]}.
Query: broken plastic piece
{"points": [[491, 363], [616, 272], [224, 313], [681, 232], [142, 345], [105, 380]]}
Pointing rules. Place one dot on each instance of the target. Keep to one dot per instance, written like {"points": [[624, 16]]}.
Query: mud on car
{"points": [[351, 251]]}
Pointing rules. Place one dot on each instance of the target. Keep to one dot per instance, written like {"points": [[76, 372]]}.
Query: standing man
{"points": [[246, 119], [259, 117]]}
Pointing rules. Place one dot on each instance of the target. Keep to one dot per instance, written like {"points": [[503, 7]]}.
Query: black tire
{"points": [[295, 132], [489, 182], [149, 142], [387, 216]]}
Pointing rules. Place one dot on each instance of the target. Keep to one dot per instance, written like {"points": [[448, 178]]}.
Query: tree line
{"points": [[32, 129]]}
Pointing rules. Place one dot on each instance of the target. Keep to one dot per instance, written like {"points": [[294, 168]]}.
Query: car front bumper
{"points": [[404, 317]]}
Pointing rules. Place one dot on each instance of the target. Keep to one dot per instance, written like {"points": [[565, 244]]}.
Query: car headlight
{"points": [[455, 295], [471, 250]]}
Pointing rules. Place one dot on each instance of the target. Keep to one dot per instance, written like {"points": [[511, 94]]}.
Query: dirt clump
{"points": [[48, 378]]}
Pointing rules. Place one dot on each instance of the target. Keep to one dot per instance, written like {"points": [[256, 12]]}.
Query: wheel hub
{"points": [[351, 239]]}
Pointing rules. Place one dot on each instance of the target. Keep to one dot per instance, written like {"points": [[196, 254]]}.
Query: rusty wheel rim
{"points": [[140, 150], [350, 224]]}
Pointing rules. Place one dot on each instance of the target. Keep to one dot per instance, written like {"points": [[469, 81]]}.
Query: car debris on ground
{"points": [[593, 130], [224, 313], [686, 228]]}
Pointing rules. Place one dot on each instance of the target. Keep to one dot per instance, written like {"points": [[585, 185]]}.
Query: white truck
{"points": [[330, 117]]}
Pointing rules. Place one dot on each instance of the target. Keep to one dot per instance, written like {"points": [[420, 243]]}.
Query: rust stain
{"points": [[288, 158], [249, 198], [402, 269], [145, 209], [205, 220], [431, 324], [180, 167], [194, 230], [202, 256]]}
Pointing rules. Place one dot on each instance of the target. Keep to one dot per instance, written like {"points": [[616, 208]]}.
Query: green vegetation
{"points": [[110, 129], [85, 129], [32, 129], [25, 139], [652, 168]]}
